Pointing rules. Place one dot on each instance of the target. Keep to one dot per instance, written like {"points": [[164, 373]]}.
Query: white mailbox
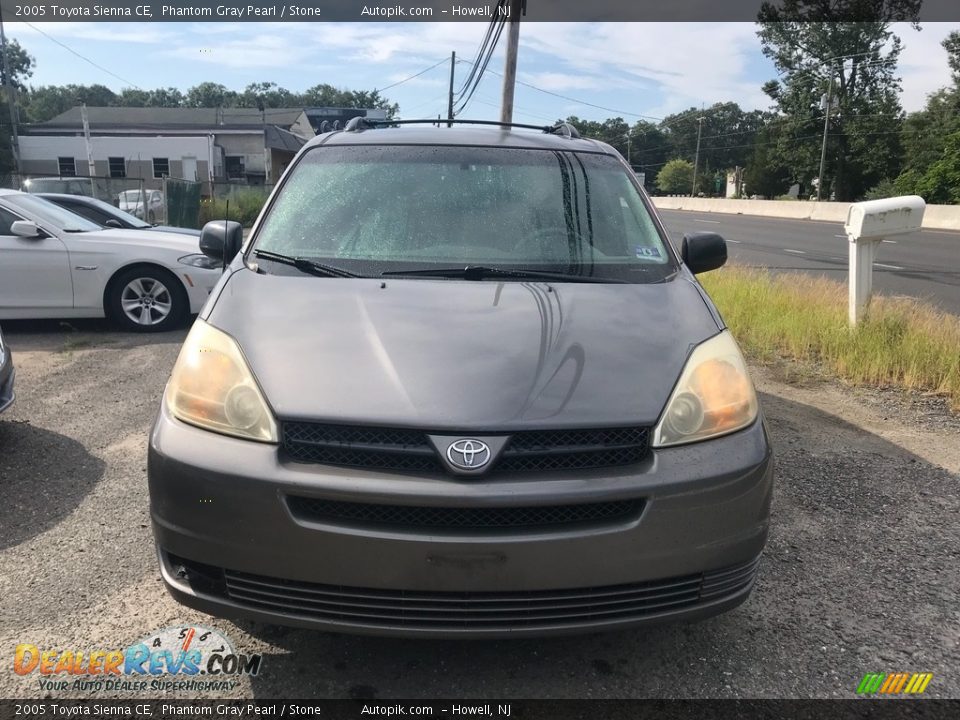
{"points": [[867, 224]]}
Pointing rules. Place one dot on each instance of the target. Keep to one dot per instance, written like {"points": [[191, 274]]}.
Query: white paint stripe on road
{"points": [[796, 252], [712, 222], [894, 242], [843, 236], [891, 267], [734, 241]]}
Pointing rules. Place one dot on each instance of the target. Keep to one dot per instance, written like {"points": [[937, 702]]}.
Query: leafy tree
{"points": [[726, 138], [43, 103], [210, 95], [764, 176], [676, 177], [848, 47], [952, 45], [21, 65]]}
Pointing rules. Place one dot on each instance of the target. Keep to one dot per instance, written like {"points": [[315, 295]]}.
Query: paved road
{"points": [[924, 264], [859, 575]]}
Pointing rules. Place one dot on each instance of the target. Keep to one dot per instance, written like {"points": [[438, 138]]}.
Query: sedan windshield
{"points": [[388, 209], [46, 213]]}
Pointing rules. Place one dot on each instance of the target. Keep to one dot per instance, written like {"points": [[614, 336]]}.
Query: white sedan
{"points": [[56, 264]]}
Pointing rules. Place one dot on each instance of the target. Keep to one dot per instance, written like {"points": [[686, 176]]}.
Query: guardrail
{"points": [[937, 217]]}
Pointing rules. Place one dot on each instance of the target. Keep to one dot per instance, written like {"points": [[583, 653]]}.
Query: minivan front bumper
{"points": [[234, 541]]}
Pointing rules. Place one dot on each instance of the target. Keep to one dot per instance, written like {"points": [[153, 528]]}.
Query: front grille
{"points": [[483, 610], [407, 450], [358, 446], [449, 518]]}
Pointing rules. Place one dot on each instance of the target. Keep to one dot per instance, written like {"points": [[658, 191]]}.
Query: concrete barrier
{"points": [[937, 217]]}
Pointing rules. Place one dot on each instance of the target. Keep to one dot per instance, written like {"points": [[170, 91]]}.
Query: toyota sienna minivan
{"points": [[457, 382]]}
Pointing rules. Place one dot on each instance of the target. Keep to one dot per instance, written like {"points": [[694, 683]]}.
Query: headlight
{"points": [[212, 387], [714, 395], [200, 261]]}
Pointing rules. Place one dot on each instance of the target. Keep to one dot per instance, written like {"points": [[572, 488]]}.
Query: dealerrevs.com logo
{"points": [[187, 658]]}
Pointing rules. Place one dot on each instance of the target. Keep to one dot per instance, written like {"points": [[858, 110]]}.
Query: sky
{"points": [[635, 70]]}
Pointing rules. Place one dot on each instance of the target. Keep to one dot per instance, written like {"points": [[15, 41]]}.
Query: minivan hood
{"points": [[463, 355]]}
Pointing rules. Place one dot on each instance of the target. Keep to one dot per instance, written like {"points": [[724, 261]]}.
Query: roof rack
{"points": [[359, 124]]}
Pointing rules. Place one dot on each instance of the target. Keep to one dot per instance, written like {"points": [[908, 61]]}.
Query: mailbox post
{"points": [[867, 224]]}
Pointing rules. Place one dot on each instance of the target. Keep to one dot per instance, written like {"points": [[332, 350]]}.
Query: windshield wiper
{"points": [[306, 264], [479, 272]]}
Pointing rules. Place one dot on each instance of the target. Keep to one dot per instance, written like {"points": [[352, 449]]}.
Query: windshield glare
{"points": [[53, 215], [378, 208]]}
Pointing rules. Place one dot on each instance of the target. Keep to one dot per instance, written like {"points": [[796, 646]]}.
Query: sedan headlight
{"points": [[200, 261], [212, 387], [714, 395]]}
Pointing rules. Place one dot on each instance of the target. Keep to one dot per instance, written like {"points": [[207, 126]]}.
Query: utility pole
{"points": [[629, 141], [696, 158], [453, 64], [510, 65], [11, 101], [86, 140], [826, 125]]}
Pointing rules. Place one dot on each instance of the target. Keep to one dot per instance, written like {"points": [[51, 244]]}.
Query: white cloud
{"points": [[923, 62]]}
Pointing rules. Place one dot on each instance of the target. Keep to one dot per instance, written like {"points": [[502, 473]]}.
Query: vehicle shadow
{"points": [[863, 534], [54, 474], [77, 334]]}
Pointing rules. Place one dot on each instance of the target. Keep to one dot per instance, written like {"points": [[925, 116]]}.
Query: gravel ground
{"points": [[860, 574]]}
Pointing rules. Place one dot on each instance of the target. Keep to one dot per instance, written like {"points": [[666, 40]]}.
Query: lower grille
{"points": [[440, 518], [485, 610]]}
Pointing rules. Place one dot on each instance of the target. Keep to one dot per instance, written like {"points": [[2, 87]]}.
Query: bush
{"points": [[883, 189], [243, 207]]}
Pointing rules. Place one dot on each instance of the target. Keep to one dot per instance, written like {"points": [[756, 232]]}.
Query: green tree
{"points": [[676, 177], [846, 48], [210, 95], [726, 137], [328, 96], [21, 66], [764, 176]]}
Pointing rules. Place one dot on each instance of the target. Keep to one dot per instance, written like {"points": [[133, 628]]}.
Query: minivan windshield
{"points": [[393, 208]]}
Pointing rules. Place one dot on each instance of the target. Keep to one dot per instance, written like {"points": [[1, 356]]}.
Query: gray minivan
{"points": [[457, 382]]}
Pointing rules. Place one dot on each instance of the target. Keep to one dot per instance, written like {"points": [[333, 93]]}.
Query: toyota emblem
{"points": [[468, 454]]}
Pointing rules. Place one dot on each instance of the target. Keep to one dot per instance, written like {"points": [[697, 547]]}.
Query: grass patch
{"points": [[244, 206], [903, 342]]}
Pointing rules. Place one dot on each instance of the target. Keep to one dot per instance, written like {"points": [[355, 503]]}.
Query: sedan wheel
{"points": [[147, 300]]}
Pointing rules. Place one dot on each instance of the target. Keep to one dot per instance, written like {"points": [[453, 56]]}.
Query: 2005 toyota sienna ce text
{"points": [[457, 382]]}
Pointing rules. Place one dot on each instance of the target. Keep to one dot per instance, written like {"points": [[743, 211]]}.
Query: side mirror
{"points": [[26, 229], [703, 251], [221, 240], [113, 223]]}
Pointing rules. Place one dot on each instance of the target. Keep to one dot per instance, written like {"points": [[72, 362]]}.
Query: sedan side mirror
{"points": [[703, 251], [26, 229], [221, 240], [111, 223]]}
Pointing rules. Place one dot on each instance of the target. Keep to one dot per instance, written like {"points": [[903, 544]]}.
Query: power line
{"points": [[493, 35], [401, 82], [82, 57]]}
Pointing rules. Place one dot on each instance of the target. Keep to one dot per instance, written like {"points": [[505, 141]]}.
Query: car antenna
{"points": [[226, 232]]}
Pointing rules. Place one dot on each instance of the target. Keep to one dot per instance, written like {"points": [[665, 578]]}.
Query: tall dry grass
{"points": [[903, 342]]}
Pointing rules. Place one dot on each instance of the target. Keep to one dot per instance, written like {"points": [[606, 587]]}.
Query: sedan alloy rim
{"points": [[146, 301]]}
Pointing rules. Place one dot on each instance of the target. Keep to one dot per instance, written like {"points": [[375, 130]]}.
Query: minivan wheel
{"points": [[147, 299]]}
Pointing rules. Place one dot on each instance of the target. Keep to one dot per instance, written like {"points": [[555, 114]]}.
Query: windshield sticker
{"points": [[643, 251]]}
